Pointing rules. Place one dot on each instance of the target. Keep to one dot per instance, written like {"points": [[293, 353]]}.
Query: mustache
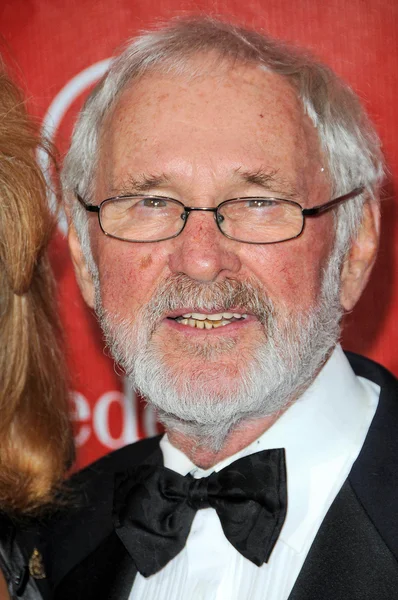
{"points": [[180, 291]]}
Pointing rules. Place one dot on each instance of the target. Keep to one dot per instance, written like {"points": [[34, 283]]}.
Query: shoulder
{"points": [[117, 461], [382, 433], [374, 476], [90, 489], [365, 367]]}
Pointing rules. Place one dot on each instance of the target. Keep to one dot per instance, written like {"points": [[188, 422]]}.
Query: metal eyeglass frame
{"points": [[306, 212]]}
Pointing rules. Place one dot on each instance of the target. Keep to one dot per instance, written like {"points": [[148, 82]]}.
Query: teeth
{"points": [[216, 317], [213, 317], [206, 321], [199, 316], [204, 324]]}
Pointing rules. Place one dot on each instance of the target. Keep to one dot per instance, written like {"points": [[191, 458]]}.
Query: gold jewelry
{"points": [[36, 566]]}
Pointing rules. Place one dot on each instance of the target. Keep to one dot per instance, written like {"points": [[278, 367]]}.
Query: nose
{"points": [[202, 252]]}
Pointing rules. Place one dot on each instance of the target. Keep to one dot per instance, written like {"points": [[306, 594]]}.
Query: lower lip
{"points": [[231, 328]]}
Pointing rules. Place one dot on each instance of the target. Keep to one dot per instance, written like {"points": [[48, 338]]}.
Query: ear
{"points": [[83, 276], [361, 257]]}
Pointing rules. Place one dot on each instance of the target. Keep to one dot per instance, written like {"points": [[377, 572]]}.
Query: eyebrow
{"points": [[271, 181], [137, 184]]}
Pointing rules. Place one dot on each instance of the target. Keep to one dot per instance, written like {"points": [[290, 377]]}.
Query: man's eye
{"points": [[154, 203]]}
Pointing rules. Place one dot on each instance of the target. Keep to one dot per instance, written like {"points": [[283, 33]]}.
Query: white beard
{"points": [[273, 373]]}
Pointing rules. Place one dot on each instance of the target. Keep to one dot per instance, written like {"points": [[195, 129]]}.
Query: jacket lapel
{"points": [[348, 558], [374, 475], [108, 572]]}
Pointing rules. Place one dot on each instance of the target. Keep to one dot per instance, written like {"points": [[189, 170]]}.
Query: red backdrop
{"points": [[56, 48]]}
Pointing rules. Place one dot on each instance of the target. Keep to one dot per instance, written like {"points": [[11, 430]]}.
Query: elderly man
{"points": [[223, 192]]}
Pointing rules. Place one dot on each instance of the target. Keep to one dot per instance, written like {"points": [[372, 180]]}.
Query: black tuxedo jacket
{"points": [[353, 557]]}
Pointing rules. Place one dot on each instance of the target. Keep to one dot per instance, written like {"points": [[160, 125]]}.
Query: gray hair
{"points": [[348, 140]]}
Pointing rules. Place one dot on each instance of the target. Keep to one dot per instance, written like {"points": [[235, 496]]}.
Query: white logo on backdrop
{"points": [[59, 107], [93, 419]]}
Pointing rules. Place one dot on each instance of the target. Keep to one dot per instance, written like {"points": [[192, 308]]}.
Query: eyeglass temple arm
{"points": [[89, 207], [316, 210]]}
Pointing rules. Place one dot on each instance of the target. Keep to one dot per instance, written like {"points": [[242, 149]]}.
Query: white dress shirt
{"points": [[323, 433]]}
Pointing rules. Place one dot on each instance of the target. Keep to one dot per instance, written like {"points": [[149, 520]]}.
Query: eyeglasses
{"points": [[257, 220]]}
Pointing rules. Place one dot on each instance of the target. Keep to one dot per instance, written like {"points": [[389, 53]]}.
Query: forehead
{"points": [[223, 119]]}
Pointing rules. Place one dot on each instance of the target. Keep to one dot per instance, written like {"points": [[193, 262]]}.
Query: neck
{"points": [[199, 452]]}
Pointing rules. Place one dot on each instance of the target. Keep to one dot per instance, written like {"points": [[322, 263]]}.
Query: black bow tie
{"points": [[154, 508]]}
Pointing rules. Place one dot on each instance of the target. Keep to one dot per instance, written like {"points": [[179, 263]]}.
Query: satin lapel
{"points": [[126, 571], [107, 573], [374, 476], [123, 578], [348, 559]]}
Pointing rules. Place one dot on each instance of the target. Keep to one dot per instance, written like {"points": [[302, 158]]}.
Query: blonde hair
{"points": [[35, 435]]}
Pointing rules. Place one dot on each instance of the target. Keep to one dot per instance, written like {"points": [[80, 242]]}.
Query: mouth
{"points": [[208, 321]]}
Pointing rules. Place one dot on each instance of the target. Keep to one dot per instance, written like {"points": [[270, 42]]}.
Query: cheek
{"points": [[292, 271], [129, 274]]}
